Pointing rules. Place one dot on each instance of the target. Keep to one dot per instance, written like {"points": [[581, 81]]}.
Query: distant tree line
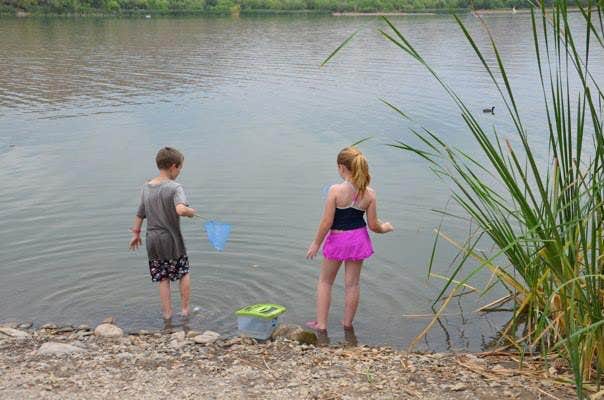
{"points": [[235, 6]]}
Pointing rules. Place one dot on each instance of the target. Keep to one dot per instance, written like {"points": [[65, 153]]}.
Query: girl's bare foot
{"points": [[184, 312], [347, 327]]}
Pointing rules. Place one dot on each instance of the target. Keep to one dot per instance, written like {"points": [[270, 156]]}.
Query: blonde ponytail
{"points": [[355, 161]]}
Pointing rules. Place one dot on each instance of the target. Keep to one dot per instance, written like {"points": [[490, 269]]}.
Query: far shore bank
{"points": [[257, 13], [66, 362]]}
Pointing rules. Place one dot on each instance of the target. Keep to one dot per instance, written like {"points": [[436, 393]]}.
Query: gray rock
{"points": [[192, 334], [25, 325], [177, 344], [14, 333], [109, 320], [11, 324], [83, 327], [108, 331], [65, 329], [208, 337], [54, 348], [48, 326]]}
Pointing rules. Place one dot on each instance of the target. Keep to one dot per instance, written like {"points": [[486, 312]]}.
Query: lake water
{"points": [[86, 103]]}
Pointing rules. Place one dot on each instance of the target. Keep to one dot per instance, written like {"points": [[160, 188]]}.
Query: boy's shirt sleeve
{"points": [[180, 197], [141, 213]]}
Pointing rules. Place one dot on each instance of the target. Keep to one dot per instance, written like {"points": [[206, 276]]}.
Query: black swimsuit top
{"points": [[349, 218]]}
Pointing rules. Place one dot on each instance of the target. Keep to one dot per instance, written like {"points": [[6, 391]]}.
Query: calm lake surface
{"points": [[86, 103]]}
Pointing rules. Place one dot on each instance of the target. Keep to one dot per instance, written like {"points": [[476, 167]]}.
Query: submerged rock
{"points": [[296, 333], [108, 331], [109, 320], [54, 348]]}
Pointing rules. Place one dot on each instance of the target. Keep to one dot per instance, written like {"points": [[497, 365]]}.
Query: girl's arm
{"points": [[374, 223], [136, 233], [324, 225]]}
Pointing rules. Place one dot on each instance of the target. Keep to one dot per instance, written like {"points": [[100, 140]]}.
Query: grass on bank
{"points": [[544, 214]]}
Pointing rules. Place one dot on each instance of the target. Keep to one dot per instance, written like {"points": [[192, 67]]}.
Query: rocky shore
{"points": [[66, 362]]}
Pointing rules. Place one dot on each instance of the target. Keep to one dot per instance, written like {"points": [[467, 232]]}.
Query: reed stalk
{"points": [[545, 215]]}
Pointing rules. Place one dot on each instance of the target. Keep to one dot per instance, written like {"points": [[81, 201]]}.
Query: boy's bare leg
{"points": [[164, 295], [185, 292], [326, 278]]}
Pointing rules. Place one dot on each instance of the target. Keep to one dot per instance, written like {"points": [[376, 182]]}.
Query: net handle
{"points": [[200, 217]]}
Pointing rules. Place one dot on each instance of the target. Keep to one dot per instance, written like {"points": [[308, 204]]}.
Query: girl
{"points": [[347, 237]]}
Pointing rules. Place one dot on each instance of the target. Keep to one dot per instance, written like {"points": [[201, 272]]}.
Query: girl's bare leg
{"points": [[353, 291], [185, 292], [329, 270], [164, 295]]}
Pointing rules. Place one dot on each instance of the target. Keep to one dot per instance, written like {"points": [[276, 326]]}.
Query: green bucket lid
{"points": [[266, 311]]}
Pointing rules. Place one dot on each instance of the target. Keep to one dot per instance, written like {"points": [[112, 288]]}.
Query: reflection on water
{"points": [[86, 103]]}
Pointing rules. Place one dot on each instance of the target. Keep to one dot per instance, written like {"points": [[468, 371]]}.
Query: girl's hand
{"points": [[135, 242], [312, 250], [387, 227]]}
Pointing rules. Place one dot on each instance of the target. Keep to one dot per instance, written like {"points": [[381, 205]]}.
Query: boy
{"points": [[162, 203]]}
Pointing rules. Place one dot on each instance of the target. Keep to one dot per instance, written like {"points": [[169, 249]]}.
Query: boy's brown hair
{"points": [[167, 157]]}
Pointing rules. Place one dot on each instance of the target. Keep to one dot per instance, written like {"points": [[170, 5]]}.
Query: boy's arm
{"points": [[182, 205], [136, 233], [185, 211]]}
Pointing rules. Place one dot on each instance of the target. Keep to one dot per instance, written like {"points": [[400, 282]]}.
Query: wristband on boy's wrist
{"points": [[137, 231]]}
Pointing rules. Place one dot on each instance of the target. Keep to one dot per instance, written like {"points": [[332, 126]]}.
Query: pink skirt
{"points": [[353, 245]]}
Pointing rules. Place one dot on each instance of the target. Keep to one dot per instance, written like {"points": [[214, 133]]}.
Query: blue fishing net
{"points": [[218, 233]]}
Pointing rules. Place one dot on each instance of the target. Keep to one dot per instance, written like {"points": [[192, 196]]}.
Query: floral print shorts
{"points": [[168, 269]]}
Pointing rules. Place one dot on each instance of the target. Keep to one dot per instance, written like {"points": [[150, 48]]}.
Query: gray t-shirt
{"points": [[158, 205]]}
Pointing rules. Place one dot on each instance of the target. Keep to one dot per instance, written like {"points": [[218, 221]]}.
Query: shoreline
{"points": [[258, 13], [68, 362]]}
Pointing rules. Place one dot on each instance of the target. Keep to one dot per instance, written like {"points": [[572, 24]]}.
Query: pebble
{"points": [[177, 344], [108, 331], [458, 387], [49, 326], [192, 334], [208, 337], [180, 335], [55, 348], [83, 327], [25, 325], [15, 333]]}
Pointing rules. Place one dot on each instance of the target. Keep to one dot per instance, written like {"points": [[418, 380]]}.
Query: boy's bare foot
{"points": [[168, 327], [184, 312]]}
